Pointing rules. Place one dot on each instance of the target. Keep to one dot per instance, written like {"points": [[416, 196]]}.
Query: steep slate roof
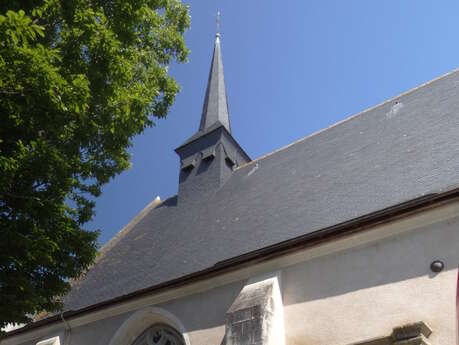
{"points": [[215, 103], [215, 108], [397, 151]]}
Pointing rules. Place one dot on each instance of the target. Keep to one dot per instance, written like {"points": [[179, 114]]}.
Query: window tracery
{"points": [[160, 334]]}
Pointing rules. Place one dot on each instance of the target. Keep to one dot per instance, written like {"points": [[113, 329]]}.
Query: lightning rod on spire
{"points": [[218, 23]]}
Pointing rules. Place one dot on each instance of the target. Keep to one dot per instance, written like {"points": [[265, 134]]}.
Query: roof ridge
{"points": [[349, 118], [109, 245], [127, 228], [119, 236]]}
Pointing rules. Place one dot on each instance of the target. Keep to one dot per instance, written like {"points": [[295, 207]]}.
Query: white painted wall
{"points": [[351, 290], [364, 293]]}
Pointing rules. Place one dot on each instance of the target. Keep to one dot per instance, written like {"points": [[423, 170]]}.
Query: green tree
{"points": [[78, 79]]}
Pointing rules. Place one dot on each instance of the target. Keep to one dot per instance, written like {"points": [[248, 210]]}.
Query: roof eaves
{"points": [[209, 131], [282, 248]]}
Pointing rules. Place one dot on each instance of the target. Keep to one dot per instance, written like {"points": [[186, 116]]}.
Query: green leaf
{"points": [[78, 83]]}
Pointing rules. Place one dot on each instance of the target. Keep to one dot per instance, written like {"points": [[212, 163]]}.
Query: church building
{"points": [[349, 236]]}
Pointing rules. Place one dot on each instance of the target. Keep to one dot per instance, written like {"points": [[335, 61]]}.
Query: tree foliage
{"points": [[78, 79]]}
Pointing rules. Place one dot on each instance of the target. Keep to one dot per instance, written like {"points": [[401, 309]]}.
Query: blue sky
{"points": [[292, 67]]}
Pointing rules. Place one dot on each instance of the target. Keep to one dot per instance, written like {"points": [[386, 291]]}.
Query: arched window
{"points": [[160, 334]]}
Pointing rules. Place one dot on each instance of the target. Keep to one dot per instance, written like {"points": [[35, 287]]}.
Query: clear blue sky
{"points": [[291, 67]]}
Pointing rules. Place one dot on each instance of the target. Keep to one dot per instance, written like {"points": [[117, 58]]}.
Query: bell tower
{"points": [[209, 157]]}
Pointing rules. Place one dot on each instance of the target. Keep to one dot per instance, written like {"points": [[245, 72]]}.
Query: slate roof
{"points": [[397, 151], [215, 108]]}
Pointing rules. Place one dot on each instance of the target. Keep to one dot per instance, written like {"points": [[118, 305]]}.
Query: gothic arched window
{"points": [[160, 334]]}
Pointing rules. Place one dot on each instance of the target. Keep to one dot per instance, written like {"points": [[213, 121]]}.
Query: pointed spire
{"points": [[215, 109], [209, 157]]}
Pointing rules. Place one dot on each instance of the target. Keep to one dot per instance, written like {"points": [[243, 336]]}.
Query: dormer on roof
{"points": [[208, 158]]}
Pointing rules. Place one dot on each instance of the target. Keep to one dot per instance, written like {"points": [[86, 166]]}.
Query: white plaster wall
{"points": [[203, 314], [337, 299], [363, 293], [94, 333]]}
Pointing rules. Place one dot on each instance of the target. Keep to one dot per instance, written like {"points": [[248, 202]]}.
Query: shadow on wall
{"points": [[207, 309], [402, 257], [391, 260]]}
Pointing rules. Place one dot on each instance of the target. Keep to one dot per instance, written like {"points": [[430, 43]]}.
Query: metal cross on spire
{"points": [[218, 23]]}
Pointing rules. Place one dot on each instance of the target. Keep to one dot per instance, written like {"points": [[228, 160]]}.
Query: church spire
{"points": [[215, 109], [209, 157]]}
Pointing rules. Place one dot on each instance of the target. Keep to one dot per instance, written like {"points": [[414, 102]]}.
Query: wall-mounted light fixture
{"points": [[437, 266]]}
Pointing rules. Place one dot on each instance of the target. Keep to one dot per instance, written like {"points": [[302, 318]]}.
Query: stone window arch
{"points": [[160, 334], [138, 328]]}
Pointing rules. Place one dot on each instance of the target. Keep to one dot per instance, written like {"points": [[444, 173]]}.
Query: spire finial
{"points": [[218, 24]]}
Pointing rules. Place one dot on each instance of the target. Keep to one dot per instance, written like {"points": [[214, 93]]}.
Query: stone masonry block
{"points": [[256, 316], [409, 331]]}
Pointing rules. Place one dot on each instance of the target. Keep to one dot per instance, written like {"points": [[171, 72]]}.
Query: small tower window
{"points": [[160, 334], [189, 163], [208, 153]]}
